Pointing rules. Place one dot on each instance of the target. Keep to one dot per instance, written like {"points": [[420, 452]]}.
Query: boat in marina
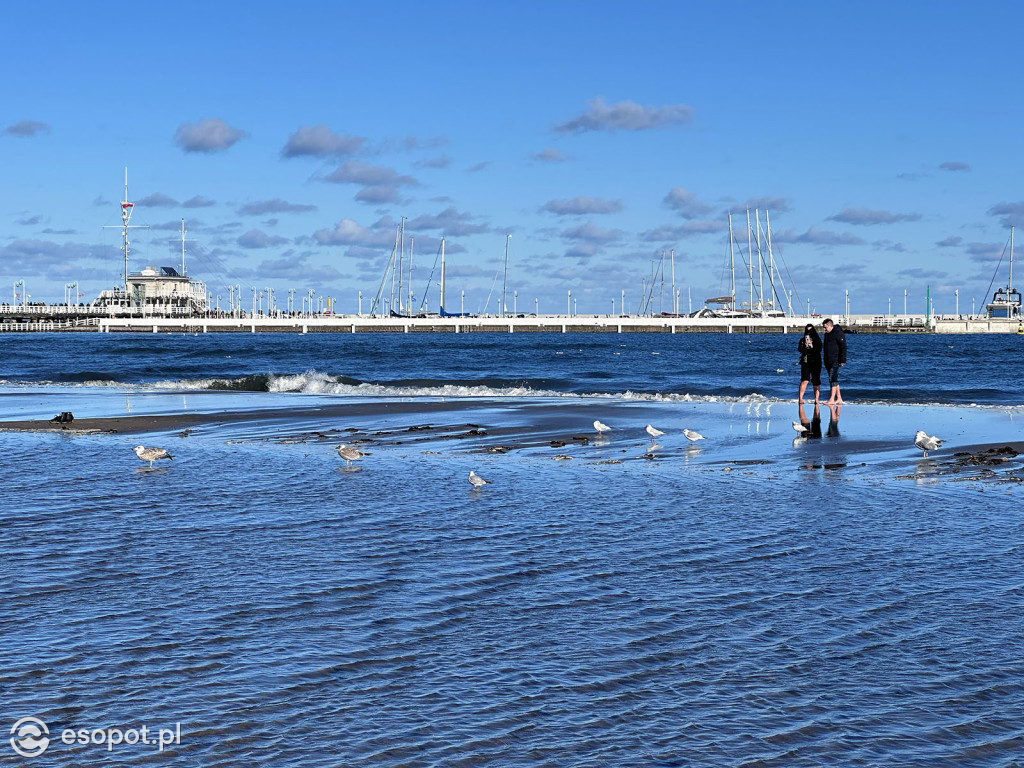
{"points": [[1006, 301], [764, 301]]}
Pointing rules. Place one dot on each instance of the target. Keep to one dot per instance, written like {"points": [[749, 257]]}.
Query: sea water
{"points": [[748, 601]]}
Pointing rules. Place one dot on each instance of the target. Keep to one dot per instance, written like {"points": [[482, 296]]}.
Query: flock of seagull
{"points": [[350, 453]]}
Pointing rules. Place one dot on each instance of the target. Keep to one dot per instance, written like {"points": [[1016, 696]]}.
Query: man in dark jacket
{"points": [[834, 347]]}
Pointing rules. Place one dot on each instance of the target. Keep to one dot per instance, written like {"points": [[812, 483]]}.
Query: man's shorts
{"points": [[833, 375]]}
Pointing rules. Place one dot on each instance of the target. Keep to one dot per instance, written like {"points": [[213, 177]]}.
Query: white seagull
{"points": [[476, 481], [653, 432], [601, 427], [151, 454], [692, 436], [799, 428], [350, 453], [926, 442]]}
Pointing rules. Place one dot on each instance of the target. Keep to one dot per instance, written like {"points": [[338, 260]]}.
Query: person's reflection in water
{"points": [[814, 423], [833, 422]]}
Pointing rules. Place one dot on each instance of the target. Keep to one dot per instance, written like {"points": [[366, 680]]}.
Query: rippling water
{"points": [[882, 368], [289, 612]]}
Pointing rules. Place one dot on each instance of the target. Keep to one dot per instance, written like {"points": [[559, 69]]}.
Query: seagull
{"points": [[350, 453], [692, 436], [926, 442], [151, 454], [799, 428], [601, 427], [653, 432], [476, 481]]}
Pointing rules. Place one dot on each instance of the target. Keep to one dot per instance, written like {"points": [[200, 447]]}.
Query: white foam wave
{"points": [[317, 383]]}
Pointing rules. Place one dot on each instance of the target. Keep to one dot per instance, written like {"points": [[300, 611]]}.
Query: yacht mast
{"points": [[401, 268], [661, 291], [732, 266], [675, 300], [1011, 287], [760, 264], [442, 273], [750, 266], [504, 280]]}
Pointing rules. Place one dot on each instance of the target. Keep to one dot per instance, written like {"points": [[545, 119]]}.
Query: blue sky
{"points": [[883, 139]]}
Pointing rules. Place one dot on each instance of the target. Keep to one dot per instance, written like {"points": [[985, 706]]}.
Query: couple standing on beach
{"points": [[811, 347]]}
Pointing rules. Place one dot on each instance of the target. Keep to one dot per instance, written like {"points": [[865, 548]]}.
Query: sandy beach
{"points": [[870, 440]]}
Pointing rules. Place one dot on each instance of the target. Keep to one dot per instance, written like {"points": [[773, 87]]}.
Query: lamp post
{"points": [[536, 306], [568, 304], [957, 294], [310, 293], [622, 304], [515, 300], [360, 303], [462, 302], [904, 302]]}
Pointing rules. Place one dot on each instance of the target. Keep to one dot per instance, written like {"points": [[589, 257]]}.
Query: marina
{"points": [[166, 300]]}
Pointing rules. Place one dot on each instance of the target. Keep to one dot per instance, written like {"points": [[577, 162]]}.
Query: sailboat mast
{"points": [[1011, 287], [675, 299], [412, 243], [773, 269], [760, 264], [732, 266], [750, 265], [401, 267], [442, 273], [504, 280], [661, 288]]}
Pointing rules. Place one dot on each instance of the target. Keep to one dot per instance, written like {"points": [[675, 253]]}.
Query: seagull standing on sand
{"points": [[350, 453], [476, 481], [692, 436], [601, 427], [926, 442], [151, 454], [653, 432], [799, 428]]}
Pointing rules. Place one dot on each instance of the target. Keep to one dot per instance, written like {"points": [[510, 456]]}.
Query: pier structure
{"points": [[61, 317]]}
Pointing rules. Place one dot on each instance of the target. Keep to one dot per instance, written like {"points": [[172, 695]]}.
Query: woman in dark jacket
{"points": [[810, 362]]}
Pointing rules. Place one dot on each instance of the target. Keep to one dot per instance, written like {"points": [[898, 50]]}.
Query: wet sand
{"points": [[980, 444]]}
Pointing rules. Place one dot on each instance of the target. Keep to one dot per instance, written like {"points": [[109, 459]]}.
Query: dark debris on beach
{"points": [[979, 466]]}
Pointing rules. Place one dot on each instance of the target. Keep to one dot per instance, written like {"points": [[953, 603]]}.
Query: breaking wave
{"points": [[314, 382]]}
